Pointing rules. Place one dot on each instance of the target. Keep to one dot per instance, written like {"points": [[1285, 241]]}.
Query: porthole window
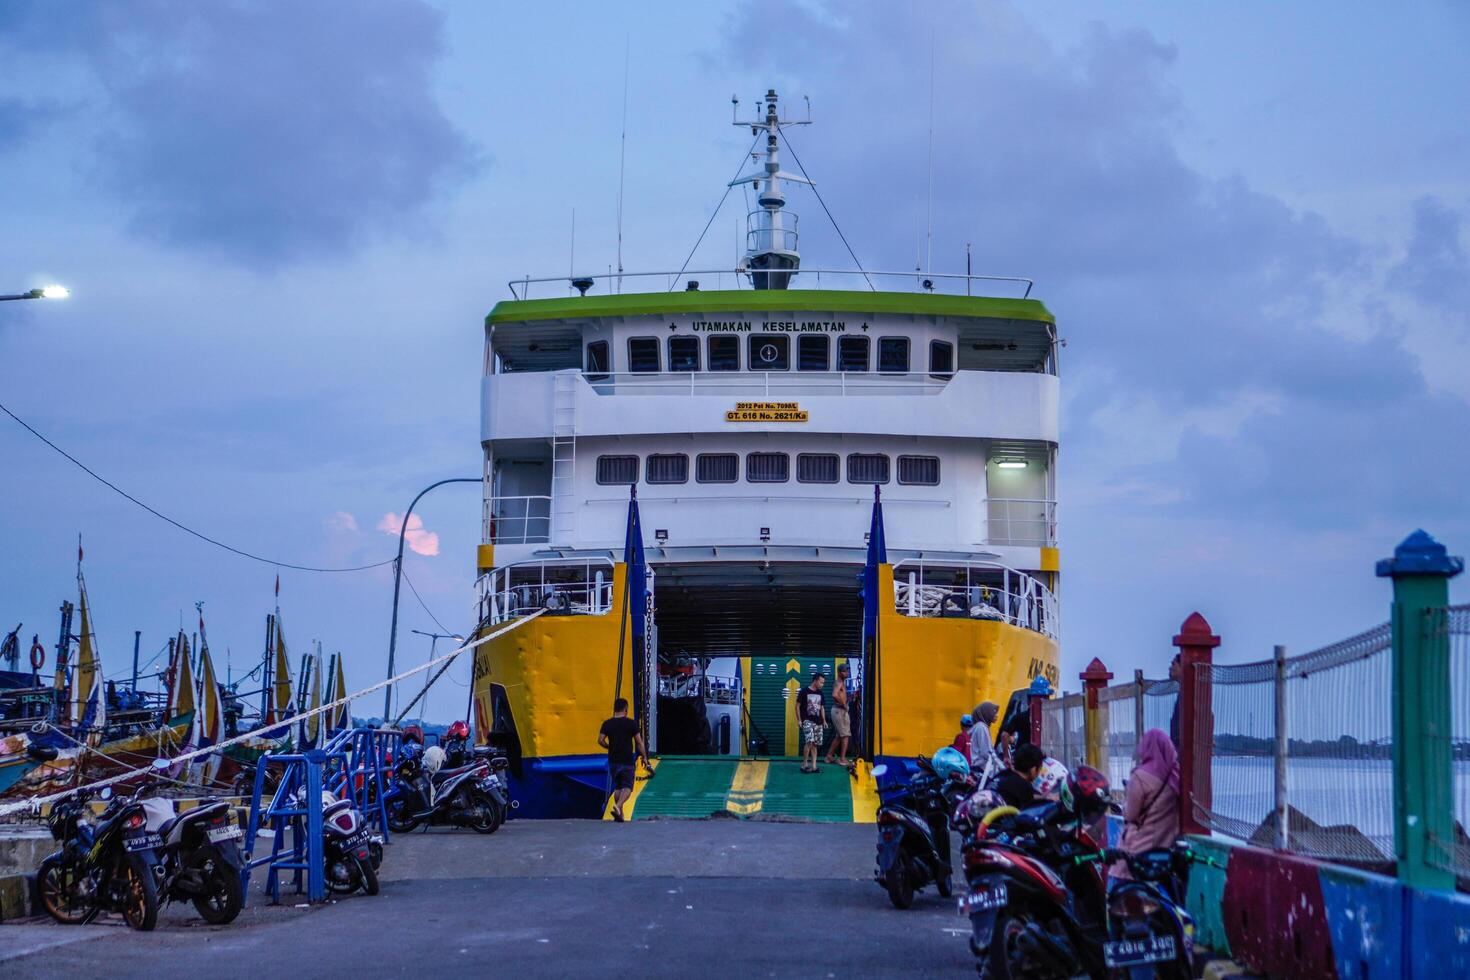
{"points": [[852, 353], [813, 351], [817, 468], [643, 354], [767, 468], [769, 352], [724, 352], [663, 468], [716, 468], [867, 468], [893, 355], [918, 471], [683, 353], [617, 470]]}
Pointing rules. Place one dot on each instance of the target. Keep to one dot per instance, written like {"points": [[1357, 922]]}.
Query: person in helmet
{"points": [[1086, 795], [961, 741], [949, 763], [1015, 785], [456, 745]]}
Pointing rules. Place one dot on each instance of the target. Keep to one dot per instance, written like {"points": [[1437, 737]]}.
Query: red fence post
{"points": [[1196, 645], [1040, 691]]}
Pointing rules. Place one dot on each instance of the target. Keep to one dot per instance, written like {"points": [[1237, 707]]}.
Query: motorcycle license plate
{"points": [[986, 897], [142, 842], [1121, 953], [358, 839], [217, 834]]}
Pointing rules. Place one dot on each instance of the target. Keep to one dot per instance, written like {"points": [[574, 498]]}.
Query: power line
{"points": [[424, 605], [182, 527]]}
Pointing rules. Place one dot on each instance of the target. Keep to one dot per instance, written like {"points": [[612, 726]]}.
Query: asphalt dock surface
{"points": [[686, 898]]}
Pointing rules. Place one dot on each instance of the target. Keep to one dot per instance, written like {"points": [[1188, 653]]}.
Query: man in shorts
{"points": [[810, 715], [841, 720], [620, 736]]}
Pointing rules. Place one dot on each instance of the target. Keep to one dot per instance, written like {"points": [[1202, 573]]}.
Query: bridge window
{"points": [[597, 361], [724, 352], [917, 471], [667, 468], [617, 470], [941, 365], [867, 468], [769, 352], [893, 355], [852, 353], [813, 352], [716, 468], [643, 354], [816, 468], [767, 468], [683, 353]]}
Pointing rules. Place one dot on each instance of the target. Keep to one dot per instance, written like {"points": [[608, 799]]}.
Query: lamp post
{"points": [[397, 582], [45, 292]]}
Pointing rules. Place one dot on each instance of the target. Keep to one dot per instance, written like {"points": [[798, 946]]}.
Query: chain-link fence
{"points": [[1062, 735], [1449, 628], [1299, 750]]}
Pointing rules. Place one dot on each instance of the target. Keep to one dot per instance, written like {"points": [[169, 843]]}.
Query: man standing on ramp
{"points": [[620, 736]]}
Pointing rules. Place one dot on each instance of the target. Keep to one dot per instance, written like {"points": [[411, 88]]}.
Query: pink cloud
{"points": [[421, 542]]}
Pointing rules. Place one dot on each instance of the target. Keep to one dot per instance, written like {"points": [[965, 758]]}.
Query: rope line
{"points": [[835, 226], [35, 804], [715, 215], [182, 527]]}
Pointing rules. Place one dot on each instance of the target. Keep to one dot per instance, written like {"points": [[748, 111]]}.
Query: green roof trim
{"points": [[754, 300]]}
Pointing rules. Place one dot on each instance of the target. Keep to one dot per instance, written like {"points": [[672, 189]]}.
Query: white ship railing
{"points": [[569, 588], [974, 590], [517, 520], [1027, 523], [767, 384], [952, 284]]}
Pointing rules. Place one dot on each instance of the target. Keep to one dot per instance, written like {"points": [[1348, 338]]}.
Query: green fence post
{"points": [[1423, 773]]}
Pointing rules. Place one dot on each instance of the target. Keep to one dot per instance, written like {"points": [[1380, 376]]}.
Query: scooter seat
{"points": [[444, 774]]}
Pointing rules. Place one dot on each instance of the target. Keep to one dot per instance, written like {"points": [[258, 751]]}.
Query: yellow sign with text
{"points": [[766, 412]]}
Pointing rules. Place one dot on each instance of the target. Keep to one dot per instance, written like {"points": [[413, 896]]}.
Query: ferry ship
{"points": [[714, 493]]}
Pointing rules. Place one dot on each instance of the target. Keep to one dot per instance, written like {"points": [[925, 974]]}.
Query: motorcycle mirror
{"points": [[880, 770], [105, 793], [159, 765]]}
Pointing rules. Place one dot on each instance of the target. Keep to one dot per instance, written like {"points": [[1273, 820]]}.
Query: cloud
{"points": [[265, 132], [343, 521], [420, 541], [1435, 270]]}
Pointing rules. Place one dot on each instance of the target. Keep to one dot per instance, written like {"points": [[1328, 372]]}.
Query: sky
{"points": [[283, 224]]}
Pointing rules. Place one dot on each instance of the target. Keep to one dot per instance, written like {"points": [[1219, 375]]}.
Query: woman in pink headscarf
{"points": [[1151, 808]]}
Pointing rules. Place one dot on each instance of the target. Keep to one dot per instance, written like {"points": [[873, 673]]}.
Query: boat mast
{"points": [[771, 254]]}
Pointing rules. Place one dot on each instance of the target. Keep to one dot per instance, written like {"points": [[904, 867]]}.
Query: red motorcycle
{"points": [[1038, 901]]}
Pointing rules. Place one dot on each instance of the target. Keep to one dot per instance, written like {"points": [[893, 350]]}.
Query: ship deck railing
{"points": [[974, 590], [768, 384], [1021, 522], [517, 519], [612, 283], [567, 587]]}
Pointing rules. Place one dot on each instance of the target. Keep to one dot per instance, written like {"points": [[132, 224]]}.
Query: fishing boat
{"points": [[714, 485]]}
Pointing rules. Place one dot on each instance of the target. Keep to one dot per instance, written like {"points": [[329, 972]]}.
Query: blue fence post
{"points": [[1423, 766], [316, 882]]}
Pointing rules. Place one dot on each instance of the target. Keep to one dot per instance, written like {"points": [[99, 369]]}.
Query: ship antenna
{"points": [[929, 233], [622, 156]]}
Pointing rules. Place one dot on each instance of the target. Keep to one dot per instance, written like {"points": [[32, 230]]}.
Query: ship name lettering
{"points": [[720, 326]]}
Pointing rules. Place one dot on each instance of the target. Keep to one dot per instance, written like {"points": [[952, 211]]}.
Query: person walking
{"points": [[982, 747], [620, 736], [841, 720], [1151, 804], [809, 716]]}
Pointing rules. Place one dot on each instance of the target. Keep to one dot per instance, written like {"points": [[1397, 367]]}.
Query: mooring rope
{"points": [[34, 804]]}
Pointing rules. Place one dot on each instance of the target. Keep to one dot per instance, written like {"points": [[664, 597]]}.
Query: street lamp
{"points": [[397, 579], [44, 292]]}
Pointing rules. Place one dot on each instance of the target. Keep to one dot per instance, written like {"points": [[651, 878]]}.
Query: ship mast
{"points": [[771, 255]]}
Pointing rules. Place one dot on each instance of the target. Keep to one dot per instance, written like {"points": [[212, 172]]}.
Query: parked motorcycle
{"points": [[913, 830], [473, 795], [101, 866], [1038, 900], [199, 856], [349, 861]]}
